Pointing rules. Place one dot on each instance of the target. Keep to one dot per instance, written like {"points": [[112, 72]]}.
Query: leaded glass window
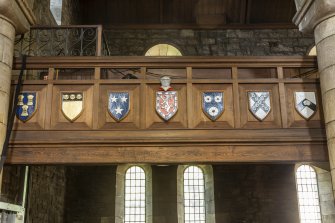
{"points": [[134, 206], [163, 50], [194, 195], [308, 195]]}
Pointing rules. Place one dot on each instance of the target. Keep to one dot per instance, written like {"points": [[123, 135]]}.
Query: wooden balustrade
{"points": [[190, 136]]}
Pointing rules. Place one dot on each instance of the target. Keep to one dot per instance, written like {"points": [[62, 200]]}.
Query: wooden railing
{"points": [[95, 137]]}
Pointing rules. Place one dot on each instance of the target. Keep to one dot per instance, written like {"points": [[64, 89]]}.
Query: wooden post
{"points": [[282, 97], [99, 41]]}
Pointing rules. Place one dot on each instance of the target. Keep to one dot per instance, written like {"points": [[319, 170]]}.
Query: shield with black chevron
{"points": [[213, 104], [305, 103], [259, 104]]}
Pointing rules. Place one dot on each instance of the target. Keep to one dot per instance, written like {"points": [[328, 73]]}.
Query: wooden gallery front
{"points": [[230, 129]]}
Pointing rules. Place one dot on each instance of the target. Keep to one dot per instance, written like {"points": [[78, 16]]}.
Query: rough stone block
{"points": [[187, 33], [326, 53], [5, 78], [327, 207], [327, 79], [6, 29], [324, 29], [329, 112], [4, 107]]}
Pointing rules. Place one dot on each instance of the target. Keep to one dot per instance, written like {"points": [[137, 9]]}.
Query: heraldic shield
{"points": [[26, 105], [166, 104], [72, 105], [118, 105], [305, 104], [259, 104], [213, 104]]}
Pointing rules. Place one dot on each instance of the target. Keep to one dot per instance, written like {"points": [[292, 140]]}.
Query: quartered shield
{"points": [[305, 104], [26, 105], [259, 104], [213, 104], [72, 105], [118, 105], [166, 104]]}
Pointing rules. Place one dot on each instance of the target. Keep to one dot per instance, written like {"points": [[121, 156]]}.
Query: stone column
{"points": [[15, 18], [319, 16], [7, 35]]}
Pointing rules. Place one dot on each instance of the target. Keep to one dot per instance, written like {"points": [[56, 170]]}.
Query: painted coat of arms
{"points": [[166, 100], [72, 105], [305, 104], [213, 104], [259, 104], [26, 106], [118, 105]]}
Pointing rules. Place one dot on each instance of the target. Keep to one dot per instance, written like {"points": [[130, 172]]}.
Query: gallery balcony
{"points": [[75, 59]]}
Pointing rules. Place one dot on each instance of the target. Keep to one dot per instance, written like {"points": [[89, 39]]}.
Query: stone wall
{"points": [[255, 193], [12, 184], [326, 195], [266, 42], [90, 194], [243, 193], [164, 194], [46, 197]]}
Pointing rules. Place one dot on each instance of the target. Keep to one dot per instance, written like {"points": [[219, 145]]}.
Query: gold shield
{"points": [[72, 105]]}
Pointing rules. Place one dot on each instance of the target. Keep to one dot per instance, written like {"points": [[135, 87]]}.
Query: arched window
{"points": [[308, 195], [163, 50], [134, 195], [133, 201], [195, 194], [56, 10]]}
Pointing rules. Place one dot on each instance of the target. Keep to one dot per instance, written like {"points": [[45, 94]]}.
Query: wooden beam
{"points": [[203, 26], [111, 137], [243, 11], [248, 12], [166, 62], [167, 154]]}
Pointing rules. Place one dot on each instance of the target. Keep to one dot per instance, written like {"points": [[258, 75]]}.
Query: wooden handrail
{"points": [[166, 62]]}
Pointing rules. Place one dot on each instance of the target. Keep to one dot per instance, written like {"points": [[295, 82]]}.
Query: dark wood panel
{"points": [[252, 136], [273, 11], [186, 12], [165, 154]]}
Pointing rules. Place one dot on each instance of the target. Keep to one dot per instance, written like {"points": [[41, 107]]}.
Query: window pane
{"points": [[135, 195], [56, 10], [163, 50], [308, 195], [194, 195]]}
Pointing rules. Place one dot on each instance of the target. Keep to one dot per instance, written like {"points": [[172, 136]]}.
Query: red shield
{"points": [[166, 104]]}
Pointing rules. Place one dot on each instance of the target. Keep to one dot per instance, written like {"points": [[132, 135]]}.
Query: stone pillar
{"points": [[319, 16], [7, 35], [15, 18]]}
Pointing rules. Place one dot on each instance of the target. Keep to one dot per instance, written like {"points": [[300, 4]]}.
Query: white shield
{"points": [[305, 104], [166, 104], [72, 105], [259, 104]]}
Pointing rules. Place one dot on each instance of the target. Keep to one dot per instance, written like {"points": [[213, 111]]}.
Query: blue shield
{"points": [[26, 106], [118, 105], [213, 104]]}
